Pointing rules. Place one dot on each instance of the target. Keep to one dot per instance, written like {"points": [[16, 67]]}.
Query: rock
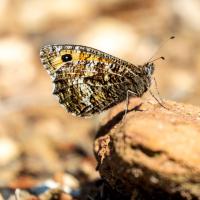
{"points": [[55, 194], [152, 148]]}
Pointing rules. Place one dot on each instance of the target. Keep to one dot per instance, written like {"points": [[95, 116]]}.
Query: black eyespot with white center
{"points": [[66, 57]]}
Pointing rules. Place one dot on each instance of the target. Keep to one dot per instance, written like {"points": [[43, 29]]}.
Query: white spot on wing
{"points": [[87, 93]]}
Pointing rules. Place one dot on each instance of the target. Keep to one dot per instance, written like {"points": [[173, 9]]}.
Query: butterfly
{"points": [[88, 81]]}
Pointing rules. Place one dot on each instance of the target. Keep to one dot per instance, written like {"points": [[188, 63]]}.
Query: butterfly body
{"points": [[88, 81]]}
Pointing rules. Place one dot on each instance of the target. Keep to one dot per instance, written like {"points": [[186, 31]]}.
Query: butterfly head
{"points": [[149, 68]]}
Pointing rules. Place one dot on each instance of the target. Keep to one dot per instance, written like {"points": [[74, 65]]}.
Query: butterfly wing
{"points": [[87, 81]]}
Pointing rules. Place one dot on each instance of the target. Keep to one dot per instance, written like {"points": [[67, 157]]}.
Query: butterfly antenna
{"points": [[163, 58], [161, 45]]}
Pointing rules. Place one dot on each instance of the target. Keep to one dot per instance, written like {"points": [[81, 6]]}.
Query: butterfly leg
{"points": [[128, 94], [159, 100]]}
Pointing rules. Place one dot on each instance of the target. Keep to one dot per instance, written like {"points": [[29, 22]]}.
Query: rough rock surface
{"points": [[152, 148]]}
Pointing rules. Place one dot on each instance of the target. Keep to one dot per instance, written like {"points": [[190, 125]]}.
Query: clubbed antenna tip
{"points": [[163, 58]]}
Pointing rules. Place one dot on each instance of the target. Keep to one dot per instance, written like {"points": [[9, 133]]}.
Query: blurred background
{"points": [[38, 138]]}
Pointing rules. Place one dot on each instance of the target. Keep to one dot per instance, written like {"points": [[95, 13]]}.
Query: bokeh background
{"points": [[38, 138]]}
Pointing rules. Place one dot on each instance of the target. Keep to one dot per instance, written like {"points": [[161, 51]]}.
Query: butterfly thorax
{"points": [[140, 78]]}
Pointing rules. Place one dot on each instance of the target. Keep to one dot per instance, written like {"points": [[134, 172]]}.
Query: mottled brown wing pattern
{"points": [[85, 94], [88, 81]]}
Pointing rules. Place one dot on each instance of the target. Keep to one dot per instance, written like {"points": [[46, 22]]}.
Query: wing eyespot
{"points": [[66, 57]]}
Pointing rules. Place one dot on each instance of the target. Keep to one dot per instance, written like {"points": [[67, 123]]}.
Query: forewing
{"points": [[89, 83]]}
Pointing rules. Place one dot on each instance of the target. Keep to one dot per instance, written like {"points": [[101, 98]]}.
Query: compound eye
{"points": [[149, 68], [66, 57]]}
